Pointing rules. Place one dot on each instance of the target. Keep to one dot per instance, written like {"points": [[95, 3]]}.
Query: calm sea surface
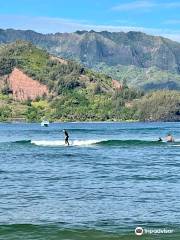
{"points": [[112, 178]]}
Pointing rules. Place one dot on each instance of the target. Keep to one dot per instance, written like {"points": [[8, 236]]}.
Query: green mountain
{"points": [[141, 60], [74, 92], [58, 74], [151, 78]]}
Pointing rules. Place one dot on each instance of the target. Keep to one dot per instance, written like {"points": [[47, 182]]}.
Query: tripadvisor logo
{"points": [[139, 231]]}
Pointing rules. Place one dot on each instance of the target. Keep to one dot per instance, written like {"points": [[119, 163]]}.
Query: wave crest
{"points": [[95, 142], [61, 142], [99, 142]]}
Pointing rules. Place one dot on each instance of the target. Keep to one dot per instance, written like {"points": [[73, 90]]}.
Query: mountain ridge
{"points": [[35, 85], [129, 40], [112, 49]]}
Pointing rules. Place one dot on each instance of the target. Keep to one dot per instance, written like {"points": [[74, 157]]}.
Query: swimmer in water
{"points": [[169, 138], [66, 139], [160, 139]]}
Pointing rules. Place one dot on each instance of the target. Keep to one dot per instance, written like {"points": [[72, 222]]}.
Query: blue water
{"points": [[112, 178]]}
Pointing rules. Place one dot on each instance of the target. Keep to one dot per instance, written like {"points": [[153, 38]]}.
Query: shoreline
{"points": [[60, 122]]}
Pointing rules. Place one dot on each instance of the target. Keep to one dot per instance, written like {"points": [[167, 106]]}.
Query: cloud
{"points": [[173, 36], [172, 21], [170, 5], [40, 24], [145, 5], [134, 5], [53, 25]]}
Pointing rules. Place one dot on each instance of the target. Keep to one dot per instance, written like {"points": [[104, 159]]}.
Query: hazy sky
{"points": [[158, 17]]}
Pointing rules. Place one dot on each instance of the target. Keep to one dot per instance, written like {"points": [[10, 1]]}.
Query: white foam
{"points": [[61, 142]]}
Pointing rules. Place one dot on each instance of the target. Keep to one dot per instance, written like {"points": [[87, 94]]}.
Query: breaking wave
{"points": [[99, 142]]}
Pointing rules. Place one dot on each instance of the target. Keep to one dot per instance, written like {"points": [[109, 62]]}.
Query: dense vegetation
{"points": [[147, 79], [76, 93], [159, 106], [156, 106]]}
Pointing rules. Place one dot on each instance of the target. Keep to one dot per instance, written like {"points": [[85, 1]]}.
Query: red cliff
{"points": [[117, 85], [24, 87]]}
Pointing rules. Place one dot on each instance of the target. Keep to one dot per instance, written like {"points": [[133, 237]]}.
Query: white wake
{"points": [[61, 142]]}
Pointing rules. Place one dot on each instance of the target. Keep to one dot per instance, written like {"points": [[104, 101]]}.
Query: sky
{"points": [[155, 17]]}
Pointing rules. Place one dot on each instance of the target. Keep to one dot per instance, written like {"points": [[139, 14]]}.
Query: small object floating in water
{"points": [[45, 124]]}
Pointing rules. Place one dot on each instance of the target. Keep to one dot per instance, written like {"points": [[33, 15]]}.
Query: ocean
{"points": [[112, 178]]}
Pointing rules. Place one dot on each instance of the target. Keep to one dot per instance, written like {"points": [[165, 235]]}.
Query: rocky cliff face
{"points": [[117, 85], [142, 61], [132, 48], [24, 87]]}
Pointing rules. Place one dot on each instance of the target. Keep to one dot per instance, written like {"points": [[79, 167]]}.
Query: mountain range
{"points": [[35, 85], [135, 58]]}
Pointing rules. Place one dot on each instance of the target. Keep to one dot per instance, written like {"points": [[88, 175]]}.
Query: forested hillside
{"points": [[144, 61], [75, 92]]}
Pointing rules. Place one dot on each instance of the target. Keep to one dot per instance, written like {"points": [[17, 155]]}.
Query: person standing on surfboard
{"points": [[66, 139]]}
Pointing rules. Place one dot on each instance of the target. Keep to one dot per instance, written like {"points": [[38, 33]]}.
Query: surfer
{"points": [[160, 139], [66, 139], [169, 138]]}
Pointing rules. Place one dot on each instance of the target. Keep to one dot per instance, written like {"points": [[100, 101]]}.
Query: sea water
{"points": [[112, 178]]}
